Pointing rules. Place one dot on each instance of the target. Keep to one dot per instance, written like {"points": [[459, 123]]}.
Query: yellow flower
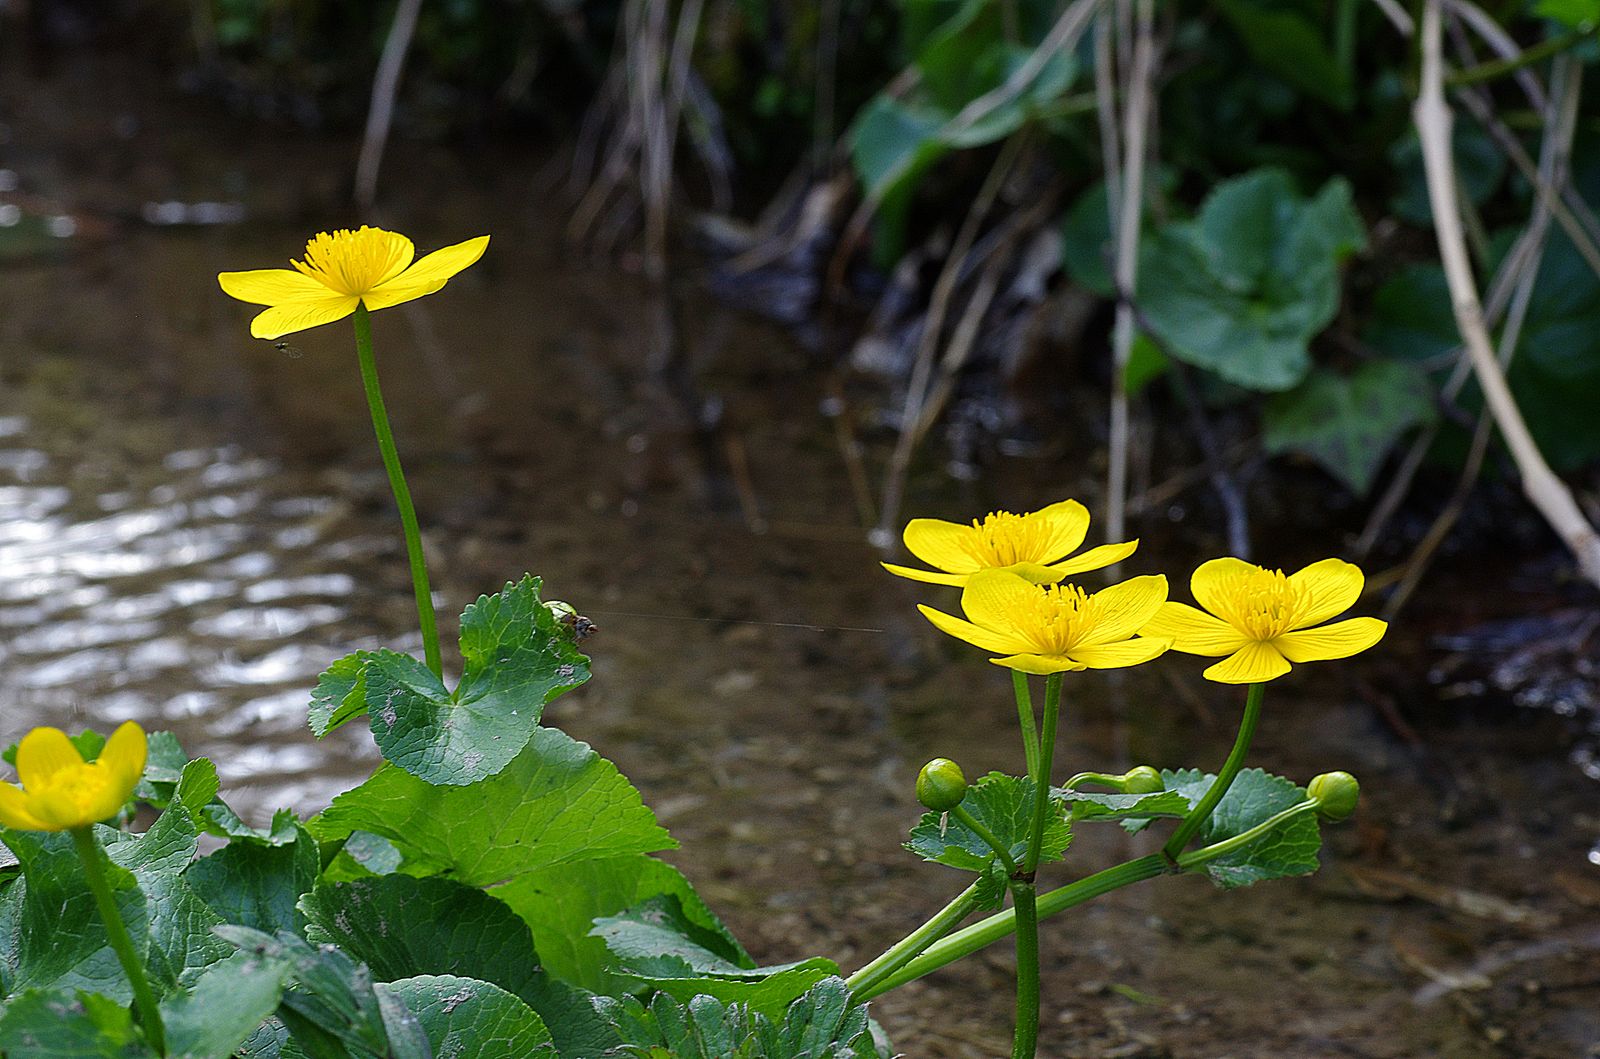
{"points": [[342, 270], [60, 791], [1056, 628], [1263, 618], [1034, 545]]}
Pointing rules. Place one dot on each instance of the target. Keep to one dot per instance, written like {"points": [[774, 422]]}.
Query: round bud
{"points": [[1142, 779], [1335, 793], [940, 785]]}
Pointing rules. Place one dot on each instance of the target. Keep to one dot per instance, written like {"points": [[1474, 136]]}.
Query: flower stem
{"points": [[1230, 768], [969, 940], [1196, 857], [1041, 775], [977, 827], [402, 494], [144, 1000], [911, 946], [1100, 778], [1030, 727], [1024, 905]]}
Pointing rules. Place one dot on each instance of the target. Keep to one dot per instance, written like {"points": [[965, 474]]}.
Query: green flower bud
{"points": [[1335, 793], [1142, 779], [940, 785]]}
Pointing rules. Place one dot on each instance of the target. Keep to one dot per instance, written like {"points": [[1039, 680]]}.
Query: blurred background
{"points": [[767, 280]]}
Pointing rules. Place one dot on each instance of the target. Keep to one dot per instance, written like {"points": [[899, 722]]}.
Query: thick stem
{"points": [[912, 945], [1041, 776], [402, 494], [1030, 726], [1024, 903], [1230, 768], [969, 940], [144, 1000]]}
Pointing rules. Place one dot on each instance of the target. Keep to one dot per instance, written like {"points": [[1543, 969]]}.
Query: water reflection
{"points": [[121, 603]]}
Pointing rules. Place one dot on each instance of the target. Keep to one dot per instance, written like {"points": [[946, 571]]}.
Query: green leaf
{"points": [[401, 926], [1411, 317], [69, 1024], [468, 1019], [1003, 804], [60, 940], [225, 1007], [257, 885], [1289, 850], [561, 903], [340, 694], [1290, 46], [658, 944], [516, 658], [332, 1004], [1242, 289], [1348, 423], [1574, 14], [558, 801], [179, 931], [1479, 165]]}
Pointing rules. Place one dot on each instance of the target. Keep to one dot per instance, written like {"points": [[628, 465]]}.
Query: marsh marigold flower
{"points": [[60, 791], [1036, 546], [1056, 628], [1263, 619], [341, 270]]}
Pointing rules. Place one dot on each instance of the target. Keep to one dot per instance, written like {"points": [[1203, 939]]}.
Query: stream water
{"points": [[193, 524]]}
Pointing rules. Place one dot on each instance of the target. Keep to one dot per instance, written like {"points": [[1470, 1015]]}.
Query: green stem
{"points": [[144, 1000], [1024, 904], [1499, 67], [1030, 727], [1100, 778], [1230, 768], [912, 945], [1041, 775], [977, 827], [402, 495], [1196, 857], [969, 940]]}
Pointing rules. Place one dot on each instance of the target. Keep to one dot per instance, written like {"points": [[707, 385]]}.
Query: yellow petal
{"points": [[123, 757], [58, 808], [427, 275], [1331, 587], [294, 316], [993, 599], [1339, 640], [1034, 573], [1096, 558], [1211, 581], [16, 810], [1068, 523], [43, 753], [106, 794], [1122, 653], [987, 639], [1253, 663], [1126, 607], [1194, 631], [928, 576], [1042, 665], [270, 286], [941, 545]]}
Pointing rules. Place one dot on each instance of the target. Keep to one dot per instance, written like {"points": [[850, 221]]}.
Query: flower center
{"points": [[1059, 618], [353, 263], [1262, 604], [66, 798], [1004, 539]]}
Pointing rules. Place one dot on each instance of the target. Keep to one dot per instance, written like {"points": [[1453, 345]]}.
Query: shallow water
{"points": [[193, 524]]}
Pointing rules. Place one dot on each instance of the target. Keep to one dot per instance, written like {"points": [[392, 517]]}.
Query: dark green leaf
{"points": [[340, 694], [226, 1005], [1348, 423], [1288, 850], [257, 885], [67, 1024], [1092, 805], [1004, 805], [468, 1019], [1290, 46]]}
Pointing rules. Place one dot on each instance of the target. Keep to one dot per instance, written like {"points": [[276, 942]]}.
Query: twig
{"points": [[1547, 492], [1502, 44], [385, 86], [1063, 36], [1135, 123]]}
